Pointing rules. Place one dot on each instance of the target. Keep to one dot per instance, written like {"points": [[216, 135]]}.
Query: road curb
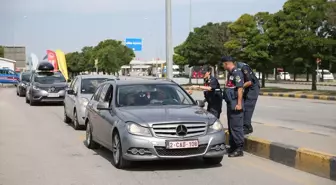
{"points": [[304, 159], [305, 96], [300, 83]]}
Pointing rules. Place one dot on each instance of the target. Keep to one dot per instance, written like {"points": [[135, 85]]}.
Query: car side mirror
{"points": [[69, 80], [71, 92], [200, 103], [103, 106]]}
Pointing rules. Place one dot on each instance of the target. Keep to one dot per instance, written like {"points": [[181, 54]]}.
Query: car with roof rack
{"points": [[46, 85], [151, 119]]}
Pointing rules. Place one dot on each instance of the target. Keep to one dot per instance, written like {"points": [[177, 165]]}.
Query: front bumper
{"points": [[155, 148], [44, 96]]}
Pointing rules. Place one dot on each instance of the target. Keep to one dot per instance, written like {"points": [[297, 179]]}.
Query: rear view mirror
{"points": [[200, 103], [71, 91], [103, 106]]}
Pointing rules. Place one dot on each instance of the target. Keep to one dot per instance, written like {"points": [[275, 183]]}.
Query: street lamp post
{"points": [[169, 47]]}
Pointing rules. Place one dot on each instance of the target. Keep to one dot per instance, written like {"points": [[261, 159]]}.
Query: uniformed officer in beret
{"points": [[212, 92], [233, 95], [251, 93]]}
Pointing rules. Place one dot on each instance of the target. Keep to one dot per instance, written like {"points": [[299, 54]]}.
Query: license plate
{"points": [[53, 95], [182, 144]]}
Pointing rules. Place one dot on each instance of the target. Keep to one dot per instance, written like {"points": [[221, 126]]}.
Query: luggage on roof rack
{"points": [[45, 66]]}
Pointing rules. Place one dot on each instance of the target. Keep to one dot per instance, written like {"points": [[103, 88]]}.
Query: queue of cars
{"points": [[138, 119]]}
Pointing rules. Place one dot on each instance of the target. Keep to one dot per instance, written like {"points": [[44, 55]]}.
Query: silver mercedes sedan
{"points": [[145, 120], [78, 95]]}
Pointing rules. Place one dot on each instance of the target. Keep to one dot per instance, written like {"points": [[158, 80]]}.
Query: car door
{"points": [[68, 100], [93, 112], [73, 97], [108, 117]]}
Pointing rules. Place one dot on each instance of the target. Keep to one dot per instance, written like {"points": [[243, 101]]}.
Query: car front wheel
{"points": [[118, 159], [90, 143], [66, 118]]}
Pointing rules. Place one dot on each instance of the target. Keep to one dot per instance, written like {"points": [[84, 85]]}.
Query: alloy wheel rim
{"points": [[116, 149], [88, 134]]}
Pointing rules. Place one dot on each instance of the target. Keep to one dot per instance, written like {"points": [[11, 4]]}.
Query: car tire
{"points": [[31, 102], [213, 160], [89, 142], [118, 160], [75, 121], [66, 118], [27, 101]]}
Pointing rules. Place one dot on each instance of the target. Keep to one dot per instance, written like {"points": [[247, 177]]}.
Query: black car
{"points": [[46, 85], [23, 82]]}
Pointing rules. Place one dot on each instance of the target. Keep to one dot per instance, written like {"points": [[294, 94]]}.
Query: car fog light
{"points": [[222, 147], [134, 151], [217, 147], [142, 151]]}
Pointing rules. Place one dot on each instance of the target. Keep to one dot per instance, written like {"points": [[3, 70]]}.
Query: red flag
{"points": [[52, 59]]}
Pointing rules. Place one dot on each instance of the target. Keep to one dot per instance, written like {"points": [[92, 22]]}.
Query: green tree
{"points": [[111, 55], [295, 31], [205, 44], [74, 61]]}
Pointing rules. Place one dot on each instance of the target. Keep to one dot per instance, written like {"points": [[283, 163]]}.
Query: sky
{"points": [[70, 25]]}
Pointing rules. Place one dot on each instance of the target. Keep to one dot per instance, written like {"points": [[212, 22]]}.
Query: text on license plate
{"points": [[182, 144], [53, 95]]}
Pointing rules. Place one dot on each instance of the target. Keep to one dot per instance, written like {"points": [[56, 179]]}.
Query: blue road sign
{"points": [[134, 43]]}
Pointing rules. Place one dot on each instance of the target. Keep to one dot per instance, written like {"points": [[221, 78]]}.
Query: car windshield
{"points": [[25, 77], [49, 77], [152, 94], [88, 86], [326, 73]]}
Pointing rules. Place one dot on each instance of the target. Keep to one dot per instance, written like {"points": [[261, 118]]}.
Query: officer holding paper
{"points": [[233, 95], [212, 93]]}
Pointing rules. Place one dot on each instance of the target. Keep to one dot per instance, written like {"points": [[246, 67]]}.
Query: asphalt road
{"points": [[314, 115], [37, 148]]}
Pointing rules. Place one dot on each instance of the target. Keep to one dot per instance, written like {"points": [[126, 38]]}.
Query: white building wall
{"points": [[7, 64]]}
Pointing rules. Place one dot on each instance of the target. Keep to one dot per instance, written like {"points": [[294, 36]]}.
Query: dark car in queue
{"points": [[145, 120], [46, 85], [78, 95], [23, 83]]}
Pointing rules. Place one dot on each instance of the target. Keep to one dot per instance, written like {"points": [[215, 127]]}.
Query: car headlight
{"points": [[84, 102], [136, 129], [216, 126], [35, 88]]}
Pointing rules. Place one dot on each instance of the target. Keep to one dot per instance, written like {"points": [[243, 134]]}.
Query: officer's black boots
{"points": [[248, 130], [236, 153]]}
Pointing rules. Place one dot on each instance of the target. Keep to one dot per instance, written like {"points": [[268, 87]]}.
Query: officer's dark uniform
{"points": [[214, 97], [234, 117], [250, 95]]}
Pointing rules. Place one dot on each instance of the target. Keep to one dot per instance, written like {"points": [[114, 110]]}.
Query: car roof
{"points": [[96, 76], [140, 81]]}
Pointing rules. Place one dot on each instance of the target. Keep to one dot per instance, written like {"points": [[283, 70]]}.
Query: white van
{"points": [[326, 74], [282, 76]]}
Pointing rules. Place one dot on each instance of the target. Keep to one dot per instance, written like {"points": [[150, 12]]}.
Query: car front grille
{"points": [[162, 151], [48, 89], [170, 129]]}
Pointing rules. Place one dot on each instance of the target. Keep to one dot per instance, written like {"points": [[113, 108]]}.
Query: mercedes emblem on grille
{"points": [[52, 89], [181, 130]]}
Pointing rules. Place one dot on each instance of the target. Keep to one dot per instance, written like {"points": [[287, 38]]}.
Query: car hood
{"points": [[147, 116], [51, 85]]}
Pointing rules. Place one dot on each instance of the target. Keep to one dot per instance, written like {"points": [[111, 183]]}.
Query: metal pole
{"points": [[191, 29], [169, 46]]}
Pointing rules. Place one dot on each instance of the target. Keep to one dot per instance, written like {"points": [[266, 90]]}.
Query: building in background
{"points": [[6, 63], [18, 54]]}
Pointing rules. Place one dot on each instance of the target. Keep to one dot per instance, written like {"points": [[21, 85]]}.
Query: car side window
{"points": [[97, 94], [76, 85], [102, 97], [109, 95]]}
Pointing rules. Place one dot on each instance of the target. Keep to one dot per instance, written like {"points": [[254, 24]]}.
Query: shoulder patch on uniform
{"points": [[238, 79]]}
